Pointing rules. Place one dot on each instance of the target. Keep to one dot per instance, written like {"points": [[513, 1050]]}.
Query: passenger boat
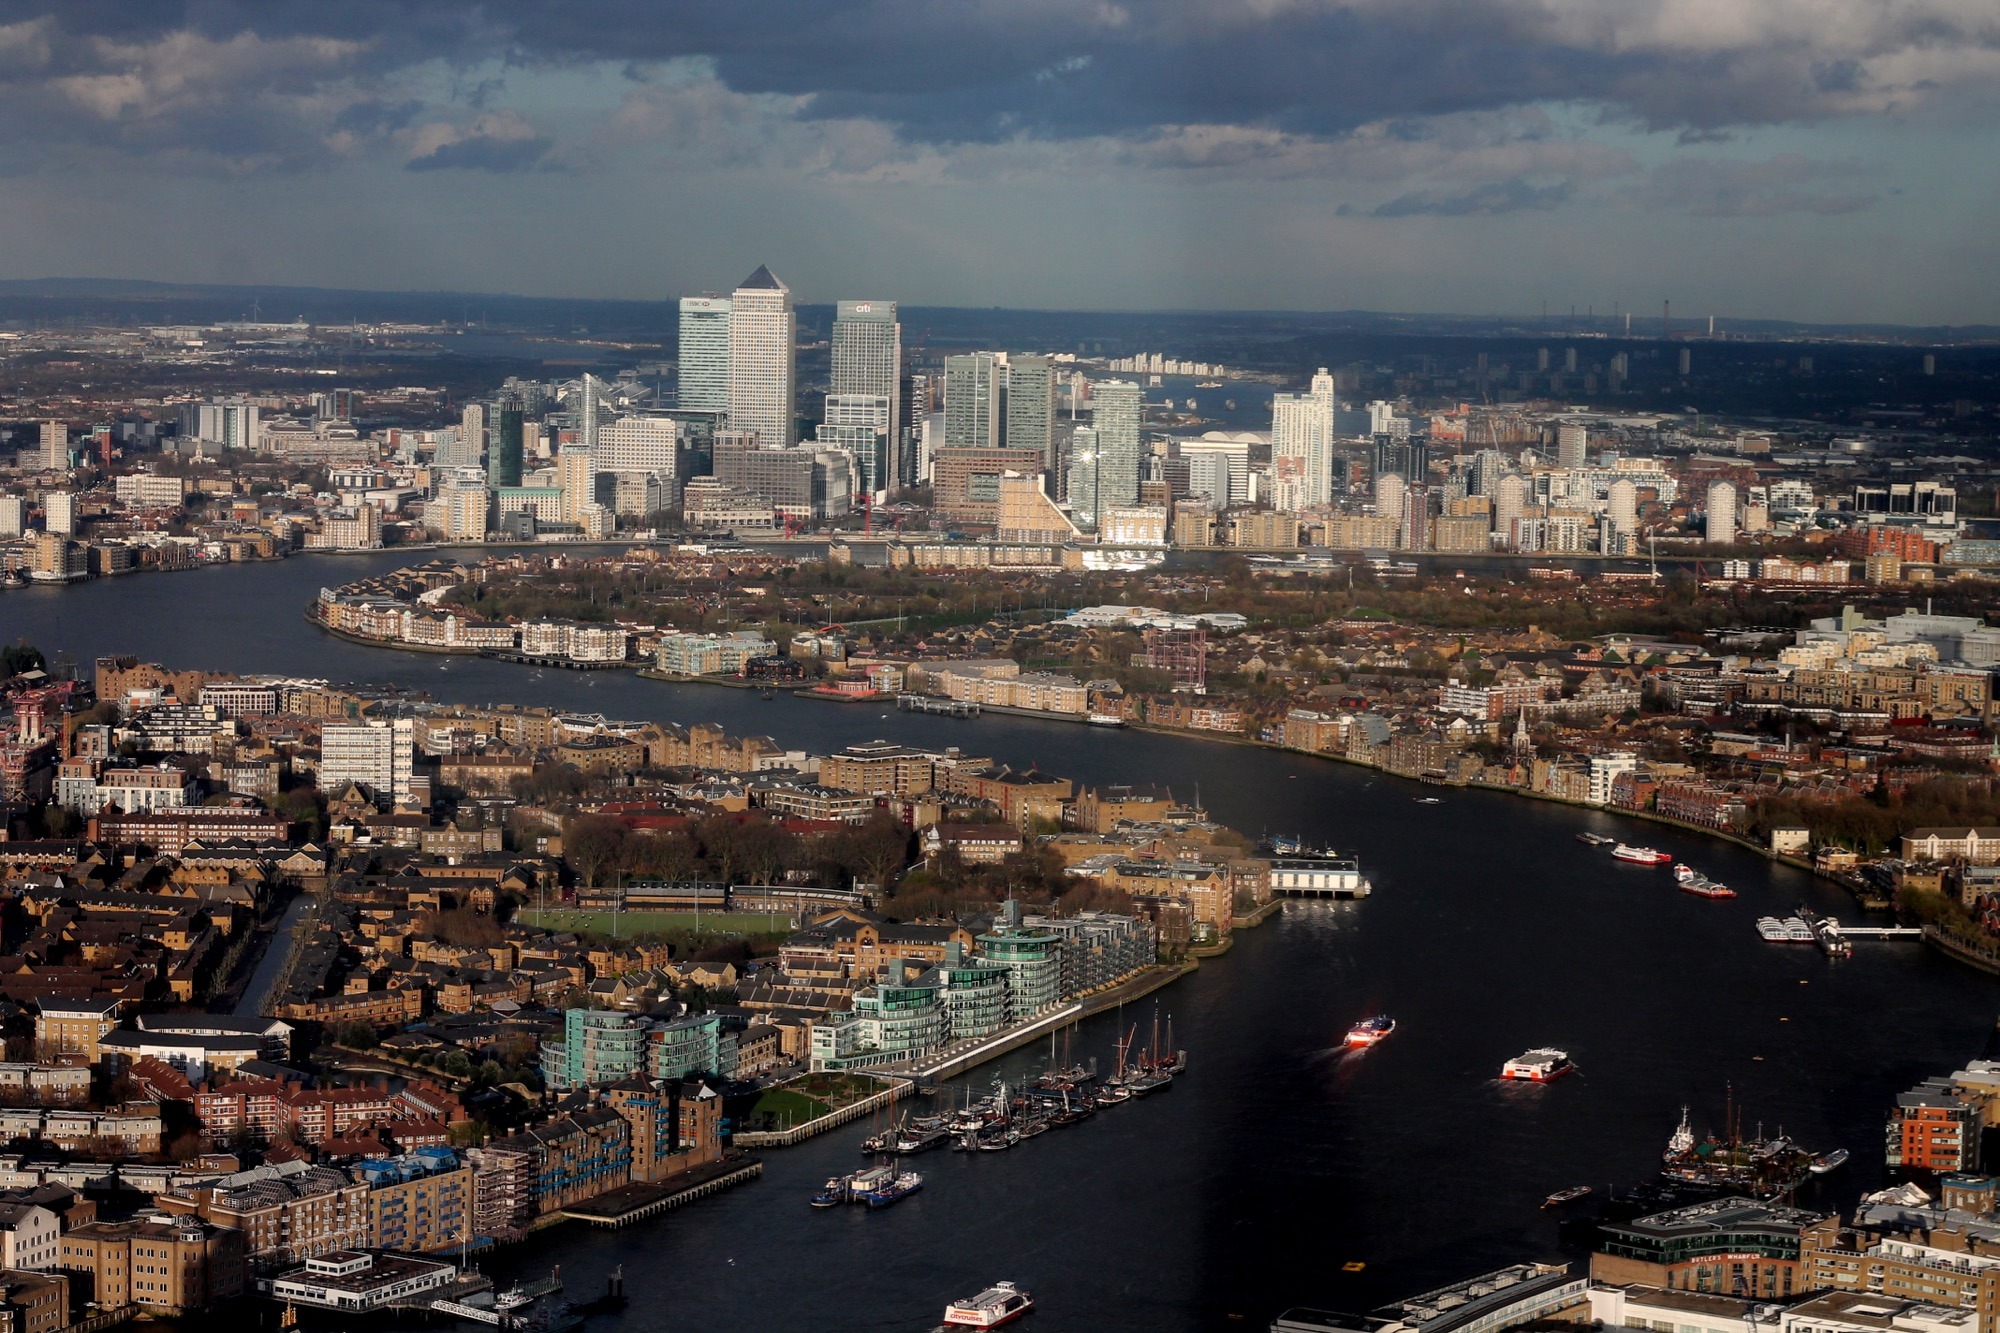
{"points": [[1791, 930], [894, 1191], [1105, 720], [1370, 1030], [1831, 1161], [1644, 856], [1570, 1195], [920, 1140], [1544, 1064], [1001, 1303]]}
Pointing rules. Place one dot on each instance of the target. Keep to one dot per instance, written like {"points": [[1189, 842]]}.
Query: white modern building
{"points": [[639, 444], [762, 370], [1302, 429], [1721, 520], [380, 754]]}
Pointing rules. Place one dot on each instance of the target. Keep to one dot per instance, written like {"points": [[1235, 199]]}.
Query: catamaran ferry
{"points": [[1541, 1065], [1001, 1303]]}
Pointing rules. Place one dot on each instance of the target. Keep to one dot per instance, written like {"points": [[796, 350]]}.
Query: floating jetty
{"points": [[560, 663], [923, 703]]}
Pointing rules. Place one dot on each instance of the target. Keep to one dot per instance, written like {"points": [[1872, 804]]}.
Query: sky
{"points": [[1824, 160]]}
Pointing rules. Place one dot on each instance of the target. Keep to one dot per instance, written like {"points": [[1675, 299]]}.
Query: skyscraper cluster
{"points": [[728, 436]]}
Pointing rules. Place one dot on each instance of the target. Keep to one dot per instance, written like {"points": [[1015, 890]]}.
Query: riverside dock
{"points": [[923, 703], [560, 663], [637, 1202]]}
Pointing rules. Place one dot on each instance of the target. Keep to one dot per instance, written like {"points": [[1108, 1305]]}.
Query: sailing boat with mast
{"points": [[1153, 1077]]}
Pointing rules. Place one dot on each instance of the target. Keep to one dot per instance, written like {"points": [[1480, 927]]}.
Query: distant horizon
{"points": [[1645, 325]]}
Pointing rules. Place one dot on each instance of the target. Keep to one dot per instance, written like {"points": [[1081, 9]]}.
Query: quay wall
{"points": [[785, 1138], [715, 1184]]}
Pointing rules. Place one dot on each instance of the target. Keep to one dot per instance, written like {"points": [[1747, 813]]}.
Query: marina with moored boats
{"points": [[1063, 1095]]}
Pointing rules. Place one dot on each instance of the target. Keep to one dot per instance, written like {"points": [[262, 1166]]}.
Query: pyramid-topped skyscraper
{"points": [[762, 367]]}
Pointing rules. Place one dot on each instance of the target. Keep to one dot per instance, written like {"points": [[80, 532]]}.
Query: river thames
{"points": [[1278, 1159]]}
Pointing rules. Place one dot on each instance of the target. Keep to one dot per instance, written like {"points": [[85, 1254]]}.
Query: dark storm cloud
{"points": [[963, 71]]}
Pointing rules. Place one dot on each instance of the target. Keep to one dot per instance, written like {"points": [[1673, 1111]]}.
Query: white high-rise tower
{"points": [[1623, 506], [762, 372], [1721, 526], [1302, 428]]}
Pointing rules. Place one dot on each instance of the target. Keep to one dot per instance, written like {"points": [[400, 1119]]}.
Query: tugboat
{"points": [[1645, 856], [1369, 1031], [834, 1195], [1001, 1303], [1544, 1064]]}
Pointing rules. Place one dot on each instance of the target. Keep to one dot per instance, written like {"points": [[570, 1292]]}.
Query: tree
{"points": [[669, 856], [880, 848], [462, 927], [593, 844], [19, 657]]}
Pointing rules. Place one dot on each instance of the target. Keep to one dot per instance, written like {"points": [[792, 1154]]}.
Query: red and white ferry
{"points": [[1001, 1303], [1644, 856], [1542, 1065]]}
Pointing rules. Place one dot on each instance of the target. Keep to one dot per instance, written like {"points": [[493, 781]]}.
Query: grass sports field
{"points": [[651, 923]]}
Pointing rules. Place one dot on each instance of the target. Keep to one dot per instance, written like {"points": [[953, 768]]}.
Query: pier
{"points": [[561, 663], [923, 703], [1882, 932]]}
